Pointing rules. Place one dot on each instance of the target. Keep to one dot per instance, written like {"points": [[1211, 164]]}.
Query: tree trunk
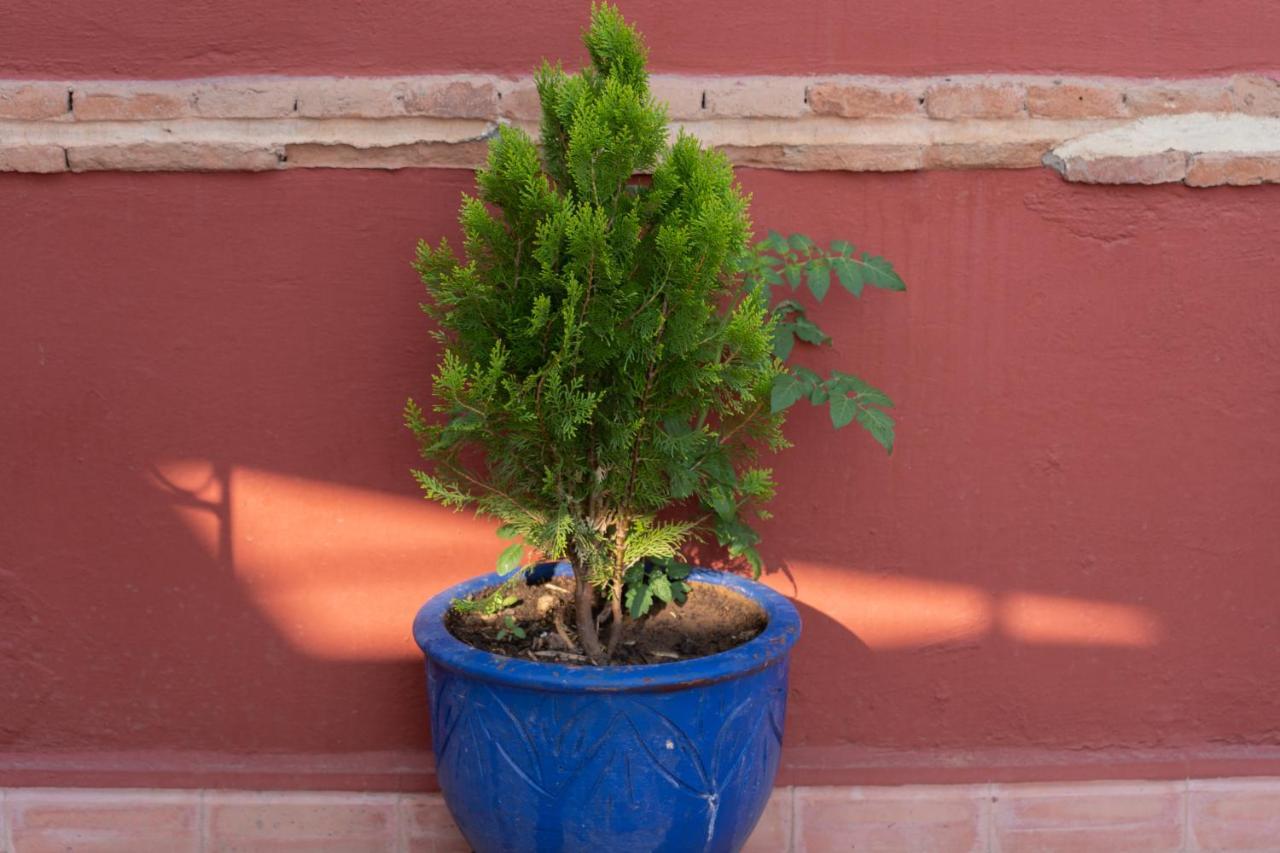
{"points": [[615, 602], [588, 636]]}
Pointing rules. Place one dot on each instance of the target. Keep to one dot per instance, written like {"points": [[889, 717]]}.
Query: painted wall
{"points": [[150, 38], [210, 550]]}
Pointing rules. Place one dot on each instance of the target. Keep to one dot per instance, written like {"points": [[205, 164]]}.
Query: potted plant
{"points": [[613, 367]]}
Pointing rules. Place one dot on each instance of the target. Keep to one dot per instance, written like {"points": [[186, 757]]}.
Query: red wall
{"points": [[210, 547], [152, 38]]}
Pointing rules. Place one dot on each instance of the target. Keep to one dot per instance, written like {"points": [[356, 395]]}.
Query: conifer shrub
{"points": [[613, 362]]}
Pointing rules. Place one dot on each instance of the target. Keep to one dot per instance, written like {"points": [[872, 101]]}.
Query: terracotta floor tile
{"points": [[1144, 817], [937, 819], [324, 823], [428, 827], [89, 821], [773, 833], [1234, 814]]}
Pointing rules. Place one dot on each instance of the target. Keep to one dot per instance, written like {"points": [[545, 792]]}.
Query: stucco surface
{"points": [[149, 38], [211, 543]]}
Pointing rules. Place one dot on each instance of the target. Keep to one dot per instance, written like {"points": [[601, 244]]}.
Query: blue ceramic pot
{"points": [[668, 757]]}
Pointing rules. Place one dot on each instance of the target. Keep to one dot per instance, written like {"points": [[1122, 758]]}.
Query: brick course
{"points": [[797, 123], [33, 101], [40, 159]]}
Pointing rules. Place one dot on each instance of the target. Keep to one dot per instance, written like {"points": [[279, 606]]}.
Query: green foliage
{"points": [[489, 605], [650, 581], [601, 360], [779, 260], [509, 629], [610, 346]]}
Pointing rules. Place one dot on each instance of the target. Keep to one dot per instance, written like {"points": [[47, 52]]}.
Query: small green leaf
{"points": [[720, 469], [639, 600], [786, 390], [843, 410], [867, 394], [777, 242], [819, 276], [677, 570], [801, 243], [819, 394], [793, 275], [784, 339], [842, 248], [880, 273], [506, 531], [807, 376], [509, 559], [848, 273], [879, 424], [721, 501], [661, 588], [808, 331], [679, 591]]}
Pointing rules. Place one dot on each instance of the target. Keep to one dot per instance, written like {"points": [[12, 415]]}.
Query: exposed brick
{"points": [[520, 101], [1116, 817], [866, 100], [986, 155], [428, 827], [682, 95], [756, 156], [942, 819], [758, 97], [451, 98], [1211, 170], [1256, 95], [1163, 168], [281, 821], [856, 157], [32, 158], [957, 100], [174, 157], [1235, 814], [1076, 100], [350, 97], [773, 833], [131, 101], [102, 821], [448, 155], [1166, 98], [244, 99], [32, 101]]}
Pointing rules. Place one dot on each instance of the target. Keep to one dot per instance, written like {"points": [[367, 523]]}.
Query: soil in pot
{"points": [[713, 619]]}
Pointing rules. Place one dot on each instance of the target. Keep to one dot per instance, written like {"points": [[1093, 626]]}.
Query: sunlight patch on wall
{"points": [[1033, 618], [891, 612], [340, 570]]}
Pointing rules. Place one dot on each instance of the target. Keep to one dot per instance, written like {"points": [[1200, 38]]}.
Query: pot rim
{"points": [[766, 649]]}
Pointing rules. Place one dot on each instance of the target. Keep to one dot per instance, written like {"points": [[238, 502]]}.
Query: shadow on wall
{"points": [[213, 544]]}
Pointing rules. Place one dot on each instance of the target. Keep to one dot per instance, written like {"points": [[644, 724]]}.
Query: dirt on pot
{"points": [[713, 619]]}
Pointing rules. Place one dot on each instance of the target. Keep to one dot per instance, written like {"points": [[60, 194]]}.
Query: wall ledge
{"points": [[1200, 149], [1202, 131], [1186, 815]]}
